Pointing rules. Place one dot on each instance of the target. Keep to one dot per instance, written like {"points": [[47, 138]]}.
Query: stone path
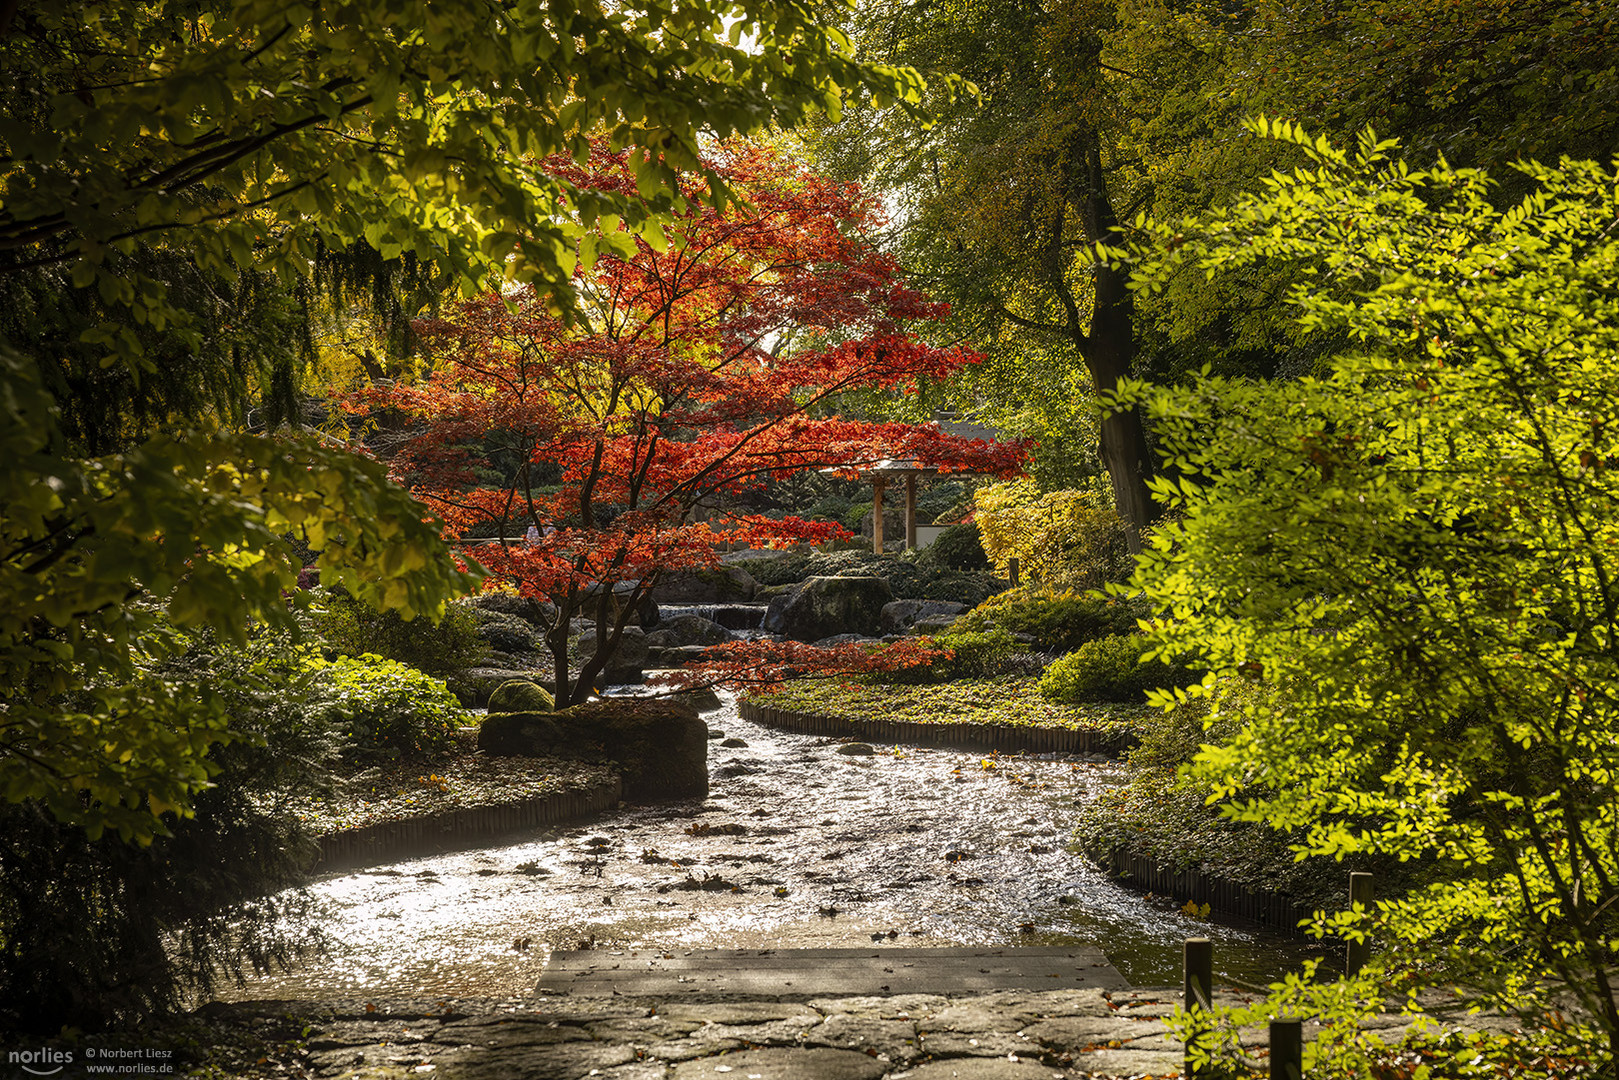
{"points": [[1005, 1035]]}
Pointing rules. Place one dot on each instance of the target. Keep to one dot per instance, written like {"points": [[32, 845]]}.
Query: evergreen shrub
{"points": [[1060, 621], [1109, 669], [957, 548], [386, 710]]}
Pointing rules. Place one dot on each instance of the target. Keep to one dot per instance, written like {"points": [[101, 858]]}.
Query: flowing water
{"points": [[796, 846]]}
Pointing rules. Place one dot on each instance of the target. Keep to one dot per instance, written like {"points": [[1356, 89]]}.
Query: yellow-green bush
{"points": [[1061, 539]]}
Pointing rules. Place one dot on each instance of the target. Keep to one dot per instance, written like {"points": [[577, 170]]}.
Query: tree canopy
{"points": [[1400, 570], [691, 376], [161, 165]]}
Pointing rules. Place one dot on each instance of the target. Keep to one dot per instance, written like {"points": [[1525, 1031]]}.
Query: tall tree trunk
{"points": [[1108, 346]]}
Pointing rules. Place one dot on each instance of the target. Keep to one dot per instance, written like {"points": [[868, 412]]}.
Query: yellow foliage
{"points": [[1061, 539]]}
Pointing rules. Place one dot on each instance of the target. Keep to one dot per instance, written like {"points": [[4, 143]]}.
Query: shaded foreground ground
{"points": [[1007, 1035]]}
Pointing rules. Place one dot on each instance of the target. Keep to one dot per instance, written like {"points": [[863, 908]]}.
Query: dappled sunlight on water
{"points": [[797, 846]]}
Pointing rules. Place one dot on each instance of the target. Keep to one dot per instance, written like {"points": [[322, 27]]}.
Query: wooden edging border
{"points": [[454, 830], [974, 736], [1144, 873]]}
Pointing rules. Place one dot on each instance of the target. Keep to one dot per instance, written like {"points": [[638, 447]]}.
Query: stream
{"points": [[797, 846]]}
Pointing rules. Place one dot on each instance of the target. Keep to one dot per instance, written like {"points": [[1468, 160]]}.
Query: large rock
{"points": [[711, 585], [520, 734], [901, 615], [687, 630], [506, 633], [675, 655], [658, 744], [537, 613], [474, 686], [933, 624], [521, 695], [824, 606]]}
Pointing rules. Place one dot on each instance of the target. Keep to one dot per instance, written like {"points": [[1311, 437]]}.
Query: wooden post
{"points": [[1362, 893], [910, 511], [1012, 571], [1286, 1050], [1199, 990], [877, 485]]}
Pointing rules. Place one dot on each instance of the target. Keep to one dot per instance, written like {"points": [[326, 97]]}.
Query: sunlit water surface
{"points": [[797, 846]]}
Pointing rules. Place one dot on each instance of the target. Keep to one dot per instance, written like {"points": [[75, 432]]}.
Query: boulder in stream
{"points": [[659, 744], [902, 615], [708, 585], [823, 606], [687, 630]]}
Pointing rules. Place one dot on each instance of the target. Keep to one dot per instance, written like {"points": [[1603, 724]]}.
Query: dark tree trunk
{"points": [[1108, 343]]}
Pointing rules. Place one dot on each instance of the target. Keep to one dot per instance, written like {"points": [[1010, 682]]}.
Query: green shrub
{"points": [[387, 710], [1058, 621], [957, 548], [447, 647], [978, 654], [1062, 539], [1109, 669]]}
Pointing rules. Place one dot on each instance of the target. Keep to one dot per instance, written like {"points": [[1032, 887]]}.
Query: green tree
{"points": [[1480, 82], [1004, 198], [1412, 554], [162, 164]]}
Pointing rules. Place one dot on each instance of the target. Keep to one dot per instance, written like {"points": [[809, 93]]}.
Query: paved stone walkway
{"points": [[1005, 1035]]}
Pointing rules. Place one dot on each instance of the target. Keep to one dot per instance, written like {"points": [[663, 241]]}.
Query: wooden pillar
{"points": [[1363, 894], [1286, 1050], [877, 485], [1199, 999], [910, 511]]}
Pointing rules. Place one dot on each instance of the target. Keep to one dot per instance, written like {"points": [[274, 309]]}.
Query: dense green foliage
{"points": [[441, 648], [1412, 553], [1058, 621], [1063, 539], [956, 548], [96, 598], [97, 930], [1108, 668], [386, 710]]}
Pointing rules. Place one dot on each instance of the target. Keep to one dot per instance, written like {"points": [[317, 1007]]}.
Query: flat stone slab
{"points": [[782, 972], [1014, 1034]]}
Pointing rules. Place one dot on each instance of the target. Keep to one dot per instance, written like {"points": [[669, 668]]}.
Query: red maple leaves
{"points": [[692, 372]]}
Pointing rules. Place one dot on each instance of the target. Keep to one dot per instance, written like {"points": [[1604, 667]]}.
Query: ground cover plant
{"points": [[1009, 701], [1058, 620]]}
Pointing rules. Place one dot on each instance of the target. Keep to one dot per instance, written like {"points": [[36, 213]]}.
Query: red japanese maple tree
{"points": [[692, 369]]}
